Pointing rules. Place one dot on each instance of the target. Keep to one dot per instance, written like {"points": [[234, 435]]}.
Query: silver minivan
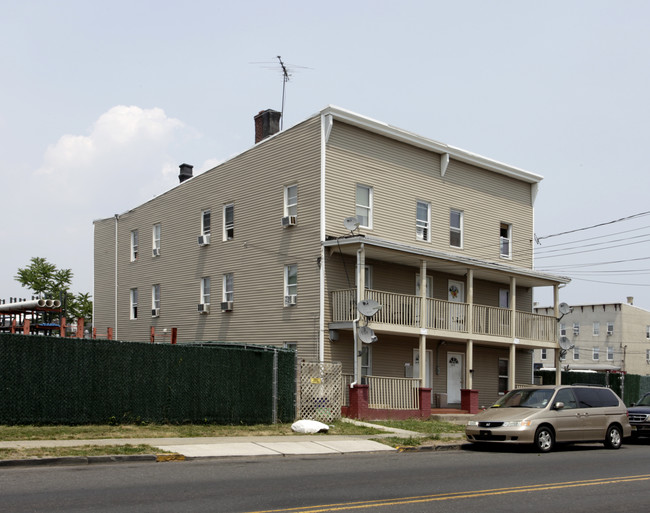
{"points": [[544, 415]]}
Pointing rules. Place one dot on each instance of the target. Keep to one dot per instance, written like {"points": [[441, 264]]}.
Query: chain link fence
{"points": [[51, 380]]}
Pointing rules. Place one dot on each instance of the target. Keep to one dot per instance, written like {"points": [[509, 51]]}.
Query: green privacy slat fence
{"points": [[629, 387], [51, 380]]}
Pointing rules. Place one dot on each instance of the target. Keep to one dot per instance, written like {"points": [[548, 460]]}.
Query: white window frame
{"points": [[291, 280], [456, 231], [576, 328], [133, 304], [576, 353], [205, 290], [155, 297], [596, 329], [228, 287], [291, 200], [228, 226], [544, 355], [423, 223], [595, 354], [647, 332], [156, 232], [206, 221], [562, 329], [610, 353], [363, 210], [610, 328], [647, 355], [134, 245], [505, 241]]}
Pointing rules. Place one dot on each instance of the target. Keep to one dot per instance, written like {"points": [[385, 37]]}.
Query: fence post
{"points": [[109, 333], [13, 326], [80, 327], [152, 337], [26, 327], [174, 335], [62, 327]]}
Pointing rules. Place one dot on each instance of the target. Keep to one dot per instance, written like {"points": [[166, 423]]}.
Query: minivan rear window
{"points": [[595, 397]]}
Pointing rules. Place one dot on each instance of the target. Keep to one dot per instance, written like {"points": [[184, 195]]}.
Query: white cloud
{"points": [[126, 158]]}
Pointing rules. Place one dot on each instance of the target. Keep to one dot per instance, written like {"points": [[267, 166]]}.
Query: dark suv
{"points": [[639, 415]]}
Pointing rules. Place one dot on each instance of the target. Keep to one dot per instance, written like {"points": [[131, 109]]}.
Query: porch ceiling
{"points": [[438, 261]]}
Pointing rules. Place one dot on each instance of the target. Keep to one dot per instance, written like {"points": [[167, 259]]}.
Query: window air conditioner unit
{"points": [[610, 332], [576, 331], [156, 252], [204, 308], [155, 312], [204, 240], [226, 306], [290, 300], [288, 221]]}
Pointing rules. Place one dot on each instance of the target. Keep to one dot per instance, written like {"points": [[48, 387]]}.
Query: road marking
{"points": [[349, 506]]}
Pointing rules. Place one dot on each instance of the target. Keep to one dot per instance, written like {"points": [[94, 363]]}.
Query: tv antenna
{"points": [[287, 71]]}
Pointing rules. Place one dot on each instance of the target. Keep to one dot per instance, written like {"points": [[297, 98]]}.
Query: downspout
{"points": [[117, 217], [326, 127], [355, 321]]}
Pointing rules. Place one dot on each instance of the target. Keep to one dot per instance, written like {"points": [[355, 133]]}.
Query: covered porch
{"points": [[429, 321]]}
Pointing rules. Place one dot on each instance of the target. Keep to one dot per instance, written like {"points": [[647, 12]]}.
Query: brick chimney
{"points": [[267, 123], [186, 172], [630, 300]]}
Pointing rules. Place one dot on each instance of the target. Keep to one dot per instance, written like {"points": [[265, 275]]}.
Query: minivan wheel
{"points": [[544, 439], [614, 437]]}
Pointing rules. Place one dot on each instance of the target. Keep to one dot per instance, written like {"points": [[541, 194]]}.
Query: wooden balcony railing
{"points": [[404, 310], [386, 393]]}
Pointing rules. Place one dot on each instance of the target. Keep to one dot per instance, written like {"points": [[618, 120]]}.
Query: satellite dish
{"points": [[351, 223], [368, 307], [564, 308], [366, 335], [565, 343]]}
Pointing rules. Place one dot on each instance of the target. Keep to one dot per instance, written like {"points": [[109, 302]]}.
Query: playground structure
{"points": [[43, 316]]}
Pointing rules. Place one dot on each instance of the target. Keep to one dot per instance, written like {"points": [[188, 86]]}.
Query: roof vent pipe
{"points": [[186, 172]]}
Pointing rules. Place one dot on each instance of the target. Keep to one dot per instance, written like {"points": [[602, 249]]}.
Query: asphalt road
{"points": [[573, 479]]}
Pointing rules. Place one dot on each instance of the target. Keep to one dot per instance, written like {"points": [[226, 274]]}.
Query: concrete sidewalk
{"points": [[220, 447]]}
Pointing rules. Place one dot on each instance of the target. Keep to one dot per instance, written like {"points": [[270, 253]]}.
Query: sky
{"points": [[101, 101]]}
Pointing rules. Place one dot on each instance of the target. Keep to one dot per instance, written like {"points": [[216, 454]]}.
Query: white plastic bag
{"points": [[309, 426]]}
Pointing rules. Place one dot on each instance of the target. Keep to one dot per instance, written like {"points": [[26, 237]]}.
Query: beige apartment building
{"points": [[280, 244], [605, 337]]}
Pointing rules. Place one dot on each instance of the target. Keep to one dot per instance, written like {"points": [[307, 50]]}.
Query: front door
{"points": [[455, 376]]}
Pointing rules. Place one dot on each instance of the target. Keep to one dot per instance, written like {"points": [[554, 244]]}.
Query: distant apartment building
{"points": [[279, 244], [604, 337]]}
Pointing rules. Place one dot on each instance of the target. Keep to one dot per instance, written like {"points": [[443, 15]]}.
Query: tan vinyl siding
{"points": [[401, 174], [254, 182], [104, 275]]}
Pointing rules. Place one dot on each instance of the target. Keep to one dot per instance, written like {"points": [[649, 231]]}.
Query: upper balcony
{"points": [[400, 313]]}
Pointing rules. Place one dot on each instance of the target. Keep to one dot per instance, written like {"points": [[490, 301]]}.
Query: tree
{"points": [[44, 279]]}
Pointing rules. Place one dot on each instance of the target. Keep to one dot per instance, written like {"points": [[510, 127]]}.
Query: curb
{"points": [[430, 448], [89, 460]]}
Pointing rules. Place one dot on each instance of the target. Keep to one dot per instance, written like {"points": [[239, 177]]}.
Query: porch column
{"points": [[469, 369], [513, 307], [423, 324], [556, 351], [512, 366], [470, 301]]}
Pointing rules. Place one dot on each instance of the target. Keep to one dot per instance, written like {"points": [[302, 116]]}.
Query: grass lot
{"points": [[431, 431], [91, 432]]}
